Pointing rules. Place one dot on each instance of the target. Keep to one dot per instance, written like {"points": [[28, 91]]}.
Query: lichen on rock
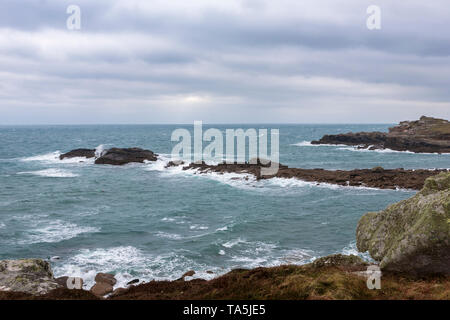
{"points": [[413, 235], [32, 276]]}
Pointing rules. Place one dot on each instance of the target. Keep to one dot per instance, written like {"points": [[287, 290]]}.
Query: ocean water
{"points": [[144, 221]]}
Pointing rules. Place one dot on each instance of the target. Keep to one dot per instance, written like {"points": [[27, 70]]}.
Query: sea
{"points": [[148, 222]]}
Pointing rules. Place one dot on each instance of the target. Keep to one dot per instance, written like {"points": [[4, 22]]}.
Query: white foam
{"points": [[351, 249], [56, 231], [294, 182], [166, 235], [87, 263], [53, 158], [309, 144], [127, 263], [298, 256], [198, 227], [2, 225], [222, 229], [52, 173], [232, 243], [100, 151], [387, 150]]}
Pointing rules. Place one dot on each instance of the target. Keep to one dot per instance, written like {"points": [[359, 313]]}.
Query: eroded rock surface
{"points": [[33, 276], [411, 236], [375, 178]]}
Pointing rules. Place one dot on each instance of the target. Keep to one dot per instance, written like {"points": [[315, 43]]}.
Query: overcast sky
{"points": [[223, 61]]}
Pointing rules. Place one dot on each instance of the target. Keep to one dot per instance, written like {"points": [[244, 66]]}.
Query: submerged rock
{"points": [[424, 135], [78, 153], [411, 236], [33, 276]]}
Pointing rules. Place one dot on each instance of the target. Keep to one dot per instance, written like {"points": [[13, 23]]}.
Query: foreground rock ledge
{"points": [[114, 156], [374, 178], [412, 236], [427, 134], [33, 276], [331, 277]]}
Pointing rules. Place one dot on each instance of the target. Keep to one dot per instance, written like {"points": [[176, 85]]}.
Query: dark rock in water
{"points": [[78, 153], [118, 156], [134, 281], [174, 163], [101, 288], [105, 278], [33, 276], [375, 178], [411, 236], [429, 135], [189, 274]]}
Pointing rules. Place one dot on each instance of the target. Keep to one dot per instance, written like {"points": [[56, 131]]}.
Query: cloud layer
{"points": [[223, 61]]}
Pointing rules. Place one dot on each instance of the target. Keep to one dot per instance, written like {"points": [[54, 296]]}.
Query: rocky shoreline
{"points": [[410, 241], [377, 177], [426, 135]]}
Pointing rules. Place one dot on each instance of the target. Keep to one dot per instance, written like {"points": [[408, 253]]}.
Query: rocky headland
{"points": [[426, 135]]}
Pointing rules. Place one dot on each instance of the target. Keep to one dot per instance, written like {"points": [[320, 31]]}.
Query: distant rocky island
{"points": [[426, 135]]}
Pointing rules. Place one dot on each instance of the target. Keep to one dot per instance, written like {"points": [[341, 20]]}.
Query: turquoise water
{"points": [[144, 221]]}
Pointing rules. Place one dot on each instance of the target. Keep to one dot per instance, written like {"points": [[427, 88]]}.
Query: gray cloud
{"points": [[223, 61]]}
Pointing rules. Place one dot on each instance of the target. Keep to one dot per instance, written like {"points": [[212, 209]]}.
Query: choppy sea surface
{"points": [[144, 221]]}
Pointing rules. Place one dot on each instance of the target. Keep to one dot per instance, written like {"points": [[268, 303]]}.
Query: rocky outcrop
{"points": [[424, 135], [104, 284], [375, 178], [114, 156], [412, 236], [78, 153], [117, 156], [33, 276]]}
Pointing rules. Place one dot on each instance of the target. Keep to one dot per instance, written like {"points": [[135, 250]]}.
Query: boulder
{"points": [[134, 281], [33, 276], [78, 153], [413, 235], [118, 156], [101, 288], [105, 278]]}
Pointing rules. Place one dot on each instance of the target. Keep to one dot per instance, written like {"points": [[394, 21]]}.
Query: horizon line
{"points": [[189, 123]]}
